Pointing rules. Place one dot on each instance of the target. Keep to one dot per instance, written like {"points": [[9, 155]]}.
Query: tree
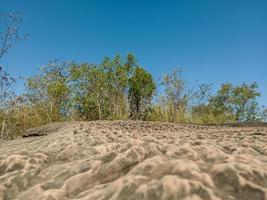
{"points": [[101, 90], [244, 102], [90, 91], [6, 83], [9, 34], [141, 90], [118, 71], [200, 109], [50, 90], [264, 115], [175, 97], [9, 31], [236, 103]]}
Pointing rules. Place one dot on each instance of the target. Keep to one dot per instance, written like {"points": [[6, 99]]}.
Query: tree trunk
{"points": [[3, 129], [99, 107]]}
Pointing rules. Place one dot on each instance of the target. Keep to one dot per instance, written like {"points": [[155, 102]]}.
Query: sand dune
{"points": [[135, 160]]}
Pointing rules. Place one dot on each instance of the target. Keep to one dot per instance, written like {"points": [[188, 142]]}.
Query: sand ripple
{"points": [[135, 160]]}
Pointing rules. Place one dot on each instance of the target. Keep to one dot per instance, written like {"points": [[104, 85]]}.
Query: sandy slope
{"points": [[135, 160]]}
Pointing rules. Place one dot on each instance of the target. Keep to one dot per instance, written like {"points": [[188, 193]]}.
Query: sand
{"points": [[135, 160]]}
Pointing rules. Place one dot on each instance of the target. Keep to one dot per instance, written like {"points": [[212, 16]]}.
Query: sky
{"points": [[214, 41]]}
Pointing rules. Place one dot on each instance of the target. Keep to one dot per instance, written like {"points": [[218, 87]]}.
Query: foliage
{"points": [[100, 91], [175, 97], [6, 83], [230, 104], [6, 94], [50, 90], [236, 103], [9, 34], [90, 95], [141, 90], [118, 88], [264, 115], [118, 72]]}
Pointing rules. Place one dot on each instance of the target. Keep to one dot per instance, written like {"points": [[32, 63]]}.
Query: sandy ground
{"points": [[135, 160]]}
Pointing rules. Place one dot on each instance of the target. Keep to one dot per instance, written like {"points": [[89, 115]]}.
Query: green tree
{"points": [[264, 115], [236, 103], [244, 102], [90, 91], [174, 100], [101, 90], [141, 90], [50, 91], [118, 71], [200, 109]]}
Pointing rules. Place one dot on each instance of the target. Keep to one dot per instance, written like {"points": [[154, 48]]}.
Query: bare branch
{"points": [[9, 31]]}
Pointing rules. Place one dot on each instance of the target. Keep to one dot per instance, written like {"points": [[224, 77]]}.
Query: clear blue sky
{"points": [[213, 40]]}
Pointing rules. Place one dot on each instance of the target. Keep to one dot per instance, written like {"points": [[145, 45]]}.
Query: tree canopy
{"points": [[119, 88]]}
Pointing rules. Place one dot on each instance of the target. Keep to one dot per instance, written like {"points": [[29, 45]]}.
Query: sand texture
{"points": [[135, 160]]}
